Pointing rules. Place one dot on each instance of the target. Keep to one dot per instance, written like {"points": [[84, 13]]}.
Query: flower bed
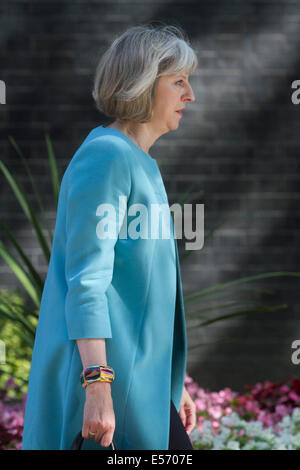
{"points": [[265, 417], [11, 417]]}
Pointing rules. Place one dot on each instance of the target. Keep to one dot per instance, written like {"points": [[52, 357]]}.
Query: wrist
{"points": [[98, 385]]}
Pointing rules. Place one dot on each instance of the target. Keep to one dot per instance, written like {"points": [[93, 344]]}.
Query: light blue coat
{"points": [[125, 290]]}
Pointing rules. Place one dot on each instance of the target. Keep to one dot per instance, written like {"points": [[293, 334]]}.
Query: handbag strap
{"points": [[77, 443]]}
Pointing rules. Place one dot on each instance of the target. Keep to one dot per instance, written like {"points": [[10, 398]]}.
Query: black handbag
{"points": [[77, 443]]}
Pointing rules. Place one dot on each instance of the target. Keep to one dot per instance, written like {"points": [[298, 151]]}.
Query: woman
{"points": [[115, 300]]}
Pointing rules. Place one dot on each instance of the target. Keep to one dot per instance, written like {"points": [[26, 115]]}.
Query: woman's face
{"points": [[172, 93]]}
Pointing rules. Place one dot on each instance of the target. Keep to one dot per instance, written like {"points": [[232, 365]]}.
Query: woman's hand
{"points": [[187, 411], [99, 416]]}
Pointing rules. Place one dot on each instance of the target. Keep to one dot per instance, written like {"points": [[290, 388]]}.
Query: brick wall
{"points": [[238, 143]]}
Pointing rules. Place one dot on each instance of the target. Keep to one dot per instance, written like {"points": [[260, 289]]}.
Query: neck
{"points": [[142, 134]]}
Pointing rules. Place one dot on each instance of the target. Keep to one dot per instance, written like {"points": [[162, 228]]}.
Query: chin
{"points": [[173, 125]]}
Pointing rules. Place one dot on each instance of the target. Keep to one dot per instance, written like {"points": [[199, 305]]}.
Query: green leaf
{"points": [[20, 274], [222, 341], [27, 337], [204, 292], [11, 363], [34, 274], [25, 309], [239, 313], [223, 293], [24, 203], [13, 314], [30, 176], [18, 315], [53, 169], [212, 308], [184, 198]]}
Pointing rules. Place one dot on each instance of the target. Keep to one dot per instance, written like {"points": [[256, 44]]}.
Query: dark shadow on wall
{"points": [[270, 128]]}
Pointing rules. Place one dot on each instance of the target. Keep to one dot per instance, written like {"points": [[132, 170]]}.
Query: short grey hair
{"points": [[127, 73]]}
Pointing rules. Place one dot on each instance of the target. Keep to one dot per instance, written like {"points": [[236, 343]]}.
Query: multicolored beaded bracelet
{"points": [[96, 373]]}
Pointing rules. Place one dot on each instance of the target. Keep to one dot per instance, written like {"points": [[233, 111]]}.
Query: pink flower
{"points": [[214, 396], [215, 424], [216, 412], [187, 379], [252, 406], [267, 402], [281, 410], [284, 388], [242, 401], [293, 396], [257, 388], [200, 404], [192, 388]]}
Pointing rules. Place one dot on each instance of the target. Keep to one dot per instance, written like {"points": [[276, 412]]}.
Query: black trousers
{"points": [[179, 438]]}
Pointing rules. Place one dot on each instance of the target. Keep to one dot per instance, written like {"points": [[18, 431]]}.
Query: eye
{"points": [[179, 81]]}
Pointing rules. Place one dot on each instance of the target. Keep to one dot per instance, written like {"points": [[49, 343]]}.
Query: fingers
{"points": [[101, 433], [188, 411], [106, 438], [86, 428], [104, 435], [182, 415], [190, 419], [189, 424]]}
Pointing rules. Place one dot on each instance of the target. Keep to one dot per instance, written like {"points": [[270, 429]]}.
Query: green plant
{"points": [[21, 317], [13, 332]]}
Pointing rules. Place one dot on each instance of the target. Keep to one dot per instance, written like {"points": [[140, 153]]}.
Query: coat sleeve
{"points": [[99, 174]]}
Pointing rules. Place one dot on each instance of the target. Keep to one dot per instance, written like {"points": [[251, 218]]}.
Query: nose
{"points": [[189, 95]]}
